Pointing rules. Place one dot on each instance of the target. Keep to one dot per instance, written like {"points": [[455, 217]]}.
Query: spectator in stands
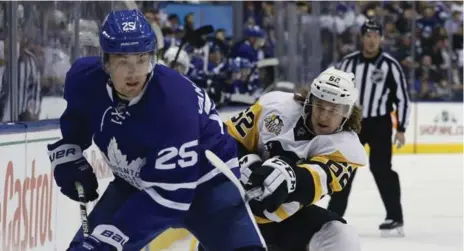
{"points": [[444, 89], [405, 20], [250, 47], [250, 14], [152, 15], [189, 23], [457, 38], [427, 68], [391, 36], [173, 22], [452, 25], [220, 34], [154, 19], [303, 7], [403, 54], [267, 10], [426, 26], [425, 88], [436, 53]]}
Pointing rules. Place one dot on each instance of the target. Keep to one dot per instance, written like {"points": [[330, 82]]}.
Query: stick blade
{"points": [[219, 164]]}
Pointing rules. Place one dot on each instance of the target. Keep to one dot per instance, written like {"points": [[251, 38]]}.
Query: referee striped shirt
{"points": [[28, 88], [381, 84]]}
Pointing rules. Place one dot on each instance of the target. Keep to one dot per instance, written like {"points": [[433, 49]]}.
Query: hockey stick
{"points": [[221, 166], [83, 209], [196, 38]]}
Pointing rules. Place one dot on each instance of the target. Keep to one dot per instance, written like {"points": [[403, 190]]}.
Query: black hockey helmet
{"points": [[371, 26]]}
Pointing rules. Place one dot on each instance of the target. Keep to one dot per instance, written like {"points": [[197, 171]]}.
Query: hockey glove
{"points": [[277, 180], [248, 164], [70, 166], [103, 238]]}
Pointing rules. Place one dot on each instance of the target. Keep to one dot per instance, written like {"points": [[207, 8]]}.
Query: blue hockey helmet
{"points": [[235, 65], [253, 31], [127, 32]]}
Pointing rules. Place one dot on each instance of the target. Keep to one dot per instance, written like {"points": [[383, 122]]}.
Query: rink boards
{"points": [[35, 216]]}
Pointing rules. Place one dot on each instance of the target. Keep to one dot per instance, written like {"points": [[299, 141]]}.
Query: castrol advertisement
{"points": [[27, 196], [34, 215]]}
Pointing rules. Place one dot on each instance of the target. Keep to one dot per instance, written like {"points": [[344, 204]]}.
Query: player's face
{"points": [[129, 73], [371, 42], [326, 117]]}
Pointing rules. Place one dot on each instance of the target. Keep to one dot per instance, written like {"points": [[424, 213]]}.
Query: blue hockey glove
{"points": [[70, 166], [103, 238]]}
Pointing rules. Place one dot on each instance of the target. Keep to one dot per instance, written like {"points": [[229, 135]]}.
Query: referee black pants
{"points": [[377, 133]]}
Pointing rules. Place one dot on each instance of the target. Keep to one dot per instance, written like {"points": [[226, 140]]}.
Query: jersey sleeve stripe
{"points": [[335, 185], [277, 216], [283, 212], [337, 156], [165, 202], [320, 180], [217, 118], [232, 163], [170, 186]]}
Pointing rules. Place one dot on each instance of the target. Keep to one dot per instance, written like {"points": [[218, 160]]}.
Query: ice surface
{"points": [[432, 198]]}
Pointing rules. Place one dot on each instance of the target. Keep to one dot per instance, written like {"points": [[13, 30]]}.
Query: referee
{"points": [[382, 85], [28, 99]]}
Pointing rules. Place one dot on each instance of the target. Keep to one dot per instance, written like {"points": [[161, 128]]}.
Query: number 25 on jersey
{"points": [[170, 157]]}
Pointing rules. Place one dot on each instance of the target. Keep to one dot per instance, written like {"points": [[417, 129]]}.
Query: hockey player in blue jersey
{"points": [[152, 126]]}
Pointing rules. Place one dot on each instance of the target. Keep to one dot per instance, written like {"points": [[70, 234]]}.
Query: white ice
{"points": [[432, 198]]}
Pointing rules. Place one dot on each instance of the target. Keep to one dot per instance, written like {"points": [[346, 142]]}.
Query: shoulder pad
{"points": [[343, 147]]}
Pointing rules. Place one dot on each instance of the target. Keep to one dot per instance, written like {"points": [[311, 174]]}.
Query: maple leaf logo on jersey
{"points": [[118, 163], [274, 124]]}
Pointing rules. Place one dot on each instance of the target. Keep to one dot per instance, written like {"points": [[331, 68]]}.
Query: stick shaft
{"points": [[83, 209]]}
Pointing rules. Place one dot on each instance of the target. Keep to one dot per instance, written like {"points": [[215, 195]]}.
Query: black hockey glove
{"points": [[275, 179], [70, 166]]}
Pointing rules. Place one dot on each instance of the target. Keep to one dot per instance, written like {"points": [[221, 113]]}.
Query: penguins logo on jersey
{"points": [[274, 124]]}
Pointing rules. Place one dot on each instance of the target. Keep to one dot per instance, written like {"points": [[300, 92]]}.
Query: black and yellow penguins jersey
{"points": [[274, 126]]}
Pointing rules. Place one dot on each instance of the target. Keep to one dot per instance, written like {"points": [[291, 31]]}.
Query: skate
{"points": [[391, 228]]}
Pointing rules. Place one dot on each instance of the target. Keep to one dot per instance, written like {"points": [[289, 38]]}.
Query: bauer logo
{"points": [[115, 237], [26, 208], [129, 43], [62, 153]]}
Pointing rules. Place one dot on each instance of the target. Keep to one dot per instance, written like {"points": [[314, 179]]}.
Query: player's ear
{"points": [[105, 58], [154, 59]]}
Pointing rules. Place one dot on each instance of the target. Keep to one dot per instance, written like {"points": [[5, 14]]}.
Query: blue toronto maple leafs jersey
{"points": [[157, 141]]}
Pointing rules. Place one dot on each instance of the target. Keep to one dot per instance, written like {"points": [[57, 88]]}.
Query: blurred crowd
{"points": [[228, 69], [425, 37]]}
